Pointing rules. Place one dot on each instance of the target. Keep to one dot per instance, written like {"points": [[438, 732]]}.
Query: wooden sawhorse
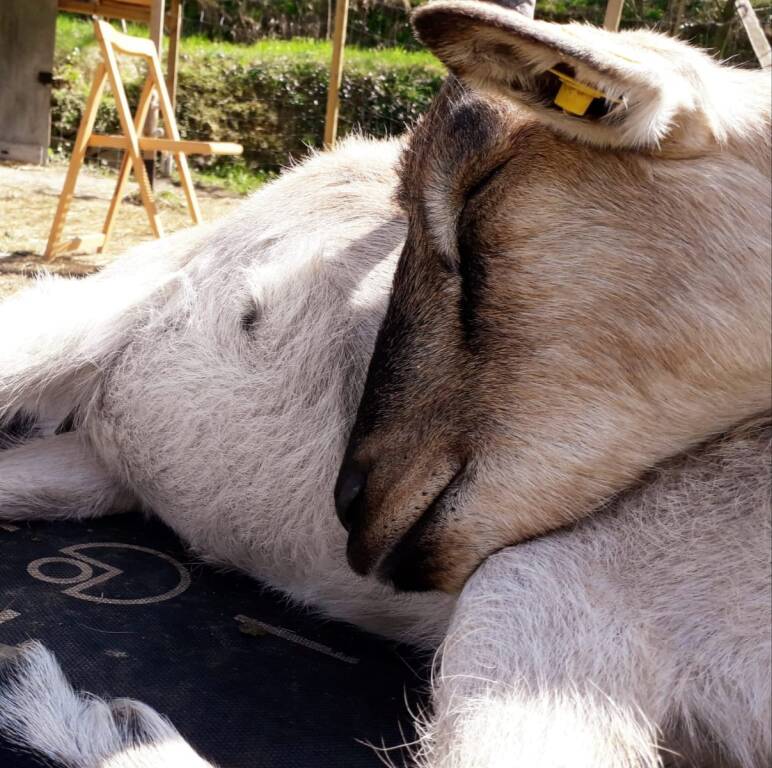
{"points": [[112, 43]]}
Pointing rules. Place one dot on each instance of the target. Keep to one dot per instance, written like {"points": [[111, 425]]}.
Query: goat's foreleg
{"points": [[631, 637], [57, 477], [541, 672]]}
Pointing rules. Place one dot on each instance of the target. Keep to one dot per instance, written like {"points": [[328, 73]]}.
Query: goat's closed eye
{"points": [[484, 181]]}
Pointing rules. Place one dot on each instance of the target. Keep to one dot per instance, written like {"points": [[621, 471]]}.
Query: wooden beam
{"points": [[755, 33], [613, 15], [180, 158], [76, 159], [131, 46], [106, 9], [157, 144], [142, 6], [336, 74], [151, 124], [79, 244], [123, 175], [174, 30], [157, 25], [113, 9]]}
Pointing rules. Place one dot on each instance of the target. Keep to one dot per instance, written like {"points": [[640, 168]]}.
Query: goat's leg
{"points": [[53, 342], [57, 477], [58, 337], [542, 673], [633, 636], [40, 712]]}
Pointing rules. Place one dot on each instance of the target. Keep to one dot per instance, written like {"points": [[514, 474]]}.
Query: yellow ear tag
{"points": [[575, 97]]}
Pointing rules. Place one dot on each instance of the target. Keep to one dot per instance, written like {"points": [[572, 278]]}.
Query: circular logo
{"points": [[80, 576]]}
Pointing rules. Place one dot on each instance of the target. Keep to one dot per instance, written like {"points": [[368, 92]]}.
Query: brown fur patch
{"points": [[563, 318]]}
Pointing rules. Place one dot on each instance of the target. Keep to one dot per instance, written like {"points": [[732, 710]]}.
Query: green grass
{"points": [[74, 32], [236, 178], [308, 50], [71, 33]]}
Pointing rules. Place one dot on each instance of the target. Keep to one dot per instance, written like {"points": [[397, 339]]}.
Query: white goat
{"points": [[213, 377]]}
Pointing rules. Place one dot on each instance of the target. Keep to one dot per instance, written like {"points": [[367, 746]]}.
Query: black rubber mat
{"points": [[249, 680]]}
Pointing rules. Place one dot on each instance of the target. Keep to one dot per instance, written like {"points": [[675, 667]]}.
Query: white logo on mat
{"points": [[85, 579]]}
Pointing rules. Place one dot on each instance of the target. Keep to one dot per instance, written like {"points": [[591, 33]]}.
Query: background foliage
{"points": [[710, 23], [269, 96], [255, 71]]}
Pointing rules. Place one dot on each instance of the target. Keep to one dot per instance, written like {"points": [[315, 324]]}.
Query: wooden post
{"points": [[27, 32], [755, 33], [157, 36], [172, 59], [170, 127], [677, 9], [172, 63], [613, 15], [336, 73], [76, 160], [140, 116], [127, 126]]}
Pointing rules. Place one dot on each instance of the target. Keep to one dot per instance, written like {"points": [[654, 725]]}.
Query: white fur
{"points": [[151, 357], [58, 476], [670, 97], [571, 650], [39, 710], [580, 649]]}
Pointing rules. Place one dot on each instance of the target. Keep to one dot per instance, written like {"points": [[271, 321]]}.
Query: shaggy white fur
{"points": [[652, 83], [39, 710], [583, 648], [241, 347], [213, 377]]}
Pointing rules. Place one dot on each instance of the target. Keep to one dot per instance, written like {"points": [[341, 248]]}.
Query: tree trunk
{"points": [[677, 8], [724, 27]]}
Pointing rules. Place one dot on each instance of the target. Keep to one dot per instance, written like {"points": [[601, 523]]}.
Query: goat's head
{"points": [[583, 291]]}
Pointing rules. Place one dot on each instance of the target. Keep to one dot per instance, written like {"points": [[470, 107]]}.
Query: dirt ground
{"points": [[28, 198]]}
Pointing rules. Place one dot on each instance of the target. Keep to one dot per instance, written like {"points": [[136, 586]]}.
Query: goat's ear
{"points": [[586, 82]]}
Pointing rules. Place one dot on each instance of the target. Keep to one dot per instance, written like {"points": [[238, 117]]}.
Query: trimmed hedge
{"points": [[246, 21], [274, 106]]}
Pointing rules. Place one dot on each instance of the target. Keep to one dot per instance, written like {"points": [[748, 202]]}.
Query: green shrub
{"points": [[370, 23], [270, 96], [276, 109]]}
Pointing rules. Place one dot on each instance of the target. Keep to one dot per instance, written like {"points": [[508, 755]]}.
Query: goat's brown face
{"points": [[556, 308]]}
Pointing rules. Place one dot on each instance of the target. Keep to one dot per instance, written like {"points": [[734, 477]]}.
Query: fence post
{"points": [[336, 73], [172, 64], [755, 33], [157, 36], [613, 14]]}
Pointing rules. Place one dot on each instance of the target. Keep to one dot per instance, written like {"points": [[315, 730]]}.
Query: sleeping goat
{"points": [[214, 378]]}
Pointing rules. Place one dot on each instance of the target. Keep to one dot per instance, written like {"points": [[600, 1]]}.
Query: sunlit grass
{"points": [[236, 178], [75, 32]]}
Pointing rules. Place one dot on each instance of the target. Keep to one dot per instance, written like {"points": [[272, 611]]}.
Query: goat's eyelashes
{"points": [[480, 185], [466, 215]]}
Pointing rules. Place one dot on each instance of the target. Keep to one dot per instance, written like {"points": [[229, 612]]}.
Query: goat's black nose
{"points": [[349, 492]]}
